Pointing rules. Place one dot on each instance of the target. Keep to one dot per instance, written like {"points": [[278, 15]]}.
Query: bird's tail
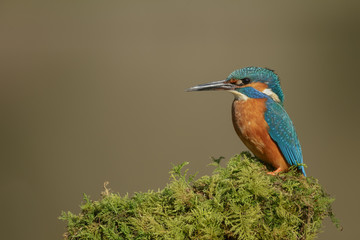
{"points": [[302, 169]]}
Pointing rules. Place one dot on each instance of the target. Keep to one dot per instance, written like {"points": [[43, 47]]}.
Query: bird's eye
{"points": [[245, 80]]}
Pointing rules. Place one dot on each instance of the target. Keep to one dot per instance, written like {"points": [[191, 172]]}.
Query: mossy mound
{"points": [[239, 201]]}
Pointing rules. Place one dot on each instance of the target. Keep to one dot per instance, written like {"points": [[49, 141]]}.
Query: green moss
{"points": [[239, 201]]}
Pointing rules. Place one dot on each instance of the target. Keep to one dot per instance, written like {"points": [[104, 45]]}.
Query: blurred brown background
{"points": [[94, 91]]}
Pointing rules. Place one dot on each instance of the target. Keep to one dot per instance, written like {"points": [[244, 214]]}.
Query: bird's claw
{"points": [[276, 172]]}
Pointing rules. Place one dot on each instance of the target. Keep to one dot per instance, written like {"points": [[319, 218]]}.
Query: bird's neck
{"points": [[255, 90], [239, 96]]}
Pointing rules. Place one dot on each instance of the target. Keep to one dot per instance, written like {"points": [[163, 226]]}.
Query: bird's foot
{"points": [[276, 172]]}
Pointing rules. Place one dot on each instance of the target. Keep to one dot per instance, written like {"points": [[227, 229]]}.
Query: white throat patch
{"points": [[239, 95], [271, 94]]}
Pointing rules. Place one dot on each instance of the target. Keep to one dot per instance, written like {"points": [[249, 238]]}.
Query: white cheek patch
{"points": [[238, 95], [271, 94]]}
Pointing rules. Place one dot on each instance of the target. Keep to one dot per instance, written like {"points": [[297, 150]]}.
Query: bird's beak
{"points": [[218, 85]]}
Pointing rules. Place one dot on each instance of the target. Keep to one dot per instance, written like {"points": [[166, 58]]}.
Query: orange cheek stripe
{"points": [[258, 86]]}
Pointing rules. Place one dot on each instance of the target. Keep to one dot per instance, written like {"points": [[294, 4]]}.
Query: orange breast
{"points": [[251, 127]]}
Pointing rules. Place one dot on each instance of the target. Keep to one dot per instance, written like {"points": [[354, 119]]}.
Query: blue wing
{"points": [[282, 131]]}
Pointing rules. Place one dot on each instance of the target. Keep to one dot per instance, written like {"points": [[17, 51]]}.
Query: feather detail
{"points": [[267, 130]]}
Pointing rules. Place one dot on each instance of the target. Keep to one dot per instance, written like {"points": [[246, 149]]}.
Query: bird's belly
{"points": [[251, 127]]}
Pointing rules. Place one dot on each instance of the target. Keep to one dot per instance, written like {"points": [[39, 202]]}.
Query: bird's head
{"points": [[261, 79]]}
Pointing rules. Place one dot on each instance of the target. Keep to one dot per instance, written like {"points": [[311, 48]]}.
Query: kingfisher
{"points": [[259, 117]]}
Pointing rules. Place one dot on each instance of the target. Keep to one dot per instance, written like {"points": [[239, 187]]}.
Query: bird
{"points": [[259, 117]]}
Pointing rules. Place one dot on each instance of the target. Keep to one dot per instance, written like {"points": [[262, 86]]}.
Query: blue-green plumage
{"points": [[281, 128], [282, 131], [258, 74]]}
